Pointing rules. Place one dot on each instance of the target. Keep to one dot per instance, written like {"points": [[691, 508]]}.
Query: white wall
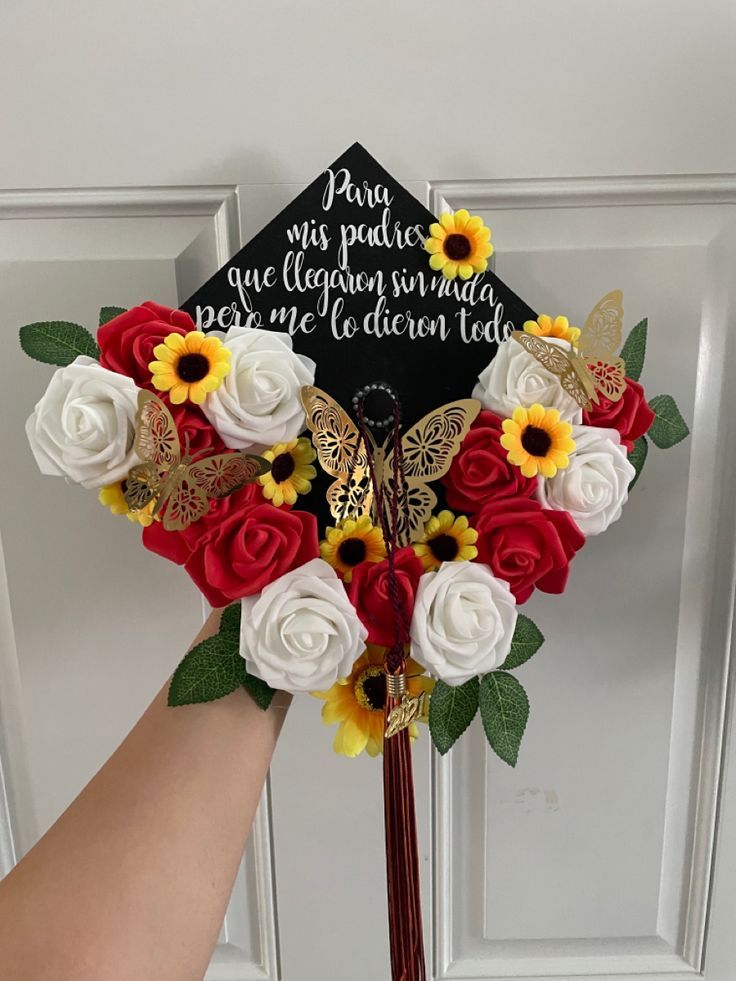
{"points": [[250, 91]]}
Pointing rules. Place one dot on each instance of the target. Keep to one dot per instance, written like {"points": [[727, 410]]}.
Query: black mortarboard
{"points": [[344, 270]]}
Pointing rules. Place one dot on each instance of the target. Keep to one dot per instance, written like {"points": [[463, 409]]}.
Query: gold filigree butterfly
{"points": [[180, 485], [427, 449], [591, 366]]}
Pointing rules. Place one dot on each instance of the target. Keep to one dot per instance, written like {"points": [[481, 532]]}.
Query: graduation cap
{"points": [[398, 314], [343, 269]]}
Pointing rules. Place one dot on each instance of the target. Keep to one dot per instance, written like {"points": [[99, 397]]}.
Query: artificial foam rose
{"points": [[257, 404], [514, 377], [370, 595], [481, 471], [593, 488], [194, 429], [463, 623], [631, 415], [526, 545], [302, 632], [83, 427], [126, 346], [250, 547], [178, 546], [127, 341]]}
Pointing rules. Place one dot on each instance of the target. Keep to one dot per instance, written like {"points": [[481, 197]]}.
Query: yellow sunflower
{"points": [[446, 539], [357, 703], [352, 542], [545, 326], [459, 245], [189, 366], [113, 498], [537, 441], [291, 471]]}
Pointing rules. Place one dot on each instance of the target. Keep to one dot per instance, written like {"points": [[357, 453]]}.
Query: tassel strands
{"points": [[402, 853], [402, 857]]}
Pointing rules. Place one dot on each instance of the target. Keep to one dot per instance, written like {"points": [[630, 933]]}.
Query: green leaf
{"points": [[57, 342], [230, 620], [109, 313], [637, 457], [668, 428], [259, 691], [451, 710], [635, 349], [504, 710], [526, 642], [211, 670]]}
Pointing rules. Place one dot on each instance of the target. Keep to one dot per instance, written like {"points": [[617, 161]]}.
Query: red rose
{"points": [[126, 346], [369, 594], [249, 548], [630, 415], [127, 341], [480, 472], [171, 545], [193, 425], [177, 546], [527, 545]]}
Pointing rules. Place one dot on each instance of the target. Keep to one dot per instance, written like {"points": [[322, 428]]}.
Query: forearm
{"points": [[132, 881]]}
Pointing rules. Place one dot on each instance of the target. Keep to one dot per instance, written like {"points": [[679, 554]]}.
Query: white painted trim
{"points": [[641, 971], [711, 512], [17, 818], [111, 202], [589, 192], [220, 203], [708, 513], [441, 785], [263, 848]]}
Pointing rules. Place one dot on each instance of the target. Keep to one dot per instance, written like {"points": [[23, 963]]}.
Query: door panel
{"points": [[593, 857], [592, 861], [88, 641]]}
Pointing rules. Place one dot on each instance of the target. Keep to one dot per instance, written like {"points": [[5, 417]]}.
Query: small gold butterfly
{"points": [[590, 366], [428, 449], [180, 487]]}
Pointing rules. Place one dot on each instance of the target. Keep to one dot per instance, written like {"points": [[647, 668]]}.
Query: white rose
{"points": [[257, 403], [515, 377], [593, 488], [302, 632], [463, 622], [84, 426]]}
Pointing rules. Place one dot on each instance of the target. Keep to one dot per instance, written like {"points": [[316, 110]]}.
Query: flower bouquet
{"points": [[372, 539]]}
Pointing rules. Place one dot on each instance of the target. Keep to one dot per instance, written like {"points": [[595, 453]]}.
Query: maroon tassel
{"points": [[402, 858], [402, 853]]}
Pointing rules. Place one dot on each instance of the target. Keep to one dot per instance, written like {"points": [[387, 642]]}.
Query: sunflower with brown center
{"points": [[545, 326], [291, 471], [113, 498], [537, 441], [459, 245], [189, 366], [357, 703], [446, 539], [351, 543]]}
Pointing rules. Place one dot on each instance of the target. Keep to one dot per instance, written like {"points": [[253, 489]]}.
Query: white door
{"points": [[176, 130]]}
